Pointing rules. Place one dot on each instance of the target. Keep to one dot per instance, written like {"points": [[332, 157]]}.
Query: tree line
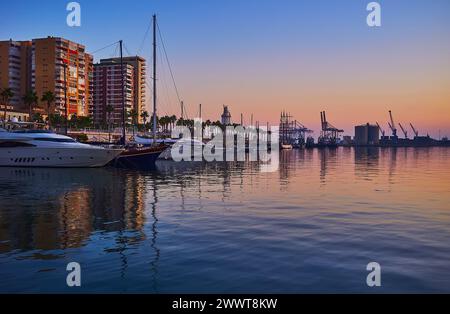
{"points": [[55, 120]]}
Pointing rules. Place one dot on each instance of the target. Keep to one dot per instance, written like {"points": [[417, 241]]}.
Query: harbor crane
{"points": [[329, 134], [381, 130], [392, 125], [405, 132], [292, 132], [414, 130]]}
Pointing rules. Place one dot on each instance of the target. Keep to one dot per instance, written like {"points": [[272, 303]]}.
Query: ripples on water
{"points": [[312, 226]]}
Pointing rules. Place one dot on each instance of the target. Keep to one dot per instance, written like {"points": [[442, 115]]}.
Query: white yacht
{"points": [[38, 148], [148, 141]]}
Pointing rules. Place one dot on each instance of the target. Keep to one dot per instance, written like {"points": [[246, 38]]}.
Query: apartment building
{"points": [[49, 58], [15, 70], [108, 91], [139, 86], [89, 84]]}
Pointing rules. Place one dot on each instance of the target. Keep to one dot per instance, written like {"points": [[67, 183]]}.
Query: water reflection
{"points": [[328, 162], [48, 209], [286, 159], [197, 225], [60, 208], [366, 162]]}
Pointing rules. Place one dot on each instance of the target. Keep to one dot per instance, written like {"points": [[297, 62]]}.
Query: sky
{"points": [[265, 56]]}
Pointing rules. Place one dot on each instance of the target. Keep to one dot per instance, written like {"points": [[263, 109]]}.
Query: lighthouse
{"points": [[226, 116]]}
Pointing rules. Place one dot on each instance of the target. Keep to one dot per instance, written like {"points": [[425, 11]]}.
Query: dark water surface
{"points": [[311, 226]]}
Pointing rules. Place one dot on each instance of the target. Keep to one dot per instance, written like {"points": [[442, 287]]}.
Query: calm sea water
{"points": [[311, 226]]}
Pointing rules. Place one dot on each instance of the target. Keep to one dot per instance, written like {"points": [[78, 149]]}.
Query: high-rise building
{"points": [[108, 91], [139, 86], [49, 57], [15, 70], [89, 84]]}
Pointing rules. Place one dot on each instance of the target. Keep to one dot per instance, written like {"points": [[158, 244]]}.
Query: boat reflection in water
{"points": [[192, 227], [53, 211]]}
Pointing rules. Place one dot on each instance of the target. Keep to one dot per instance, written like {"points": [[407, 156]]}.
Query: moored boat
{"points": [[39, 148], [140, 158], [136, 156], [149, 141]]}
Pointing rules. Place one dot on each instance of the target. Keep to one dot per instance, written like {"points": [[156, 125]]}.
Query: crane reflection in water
{"points": [[227, 226]]}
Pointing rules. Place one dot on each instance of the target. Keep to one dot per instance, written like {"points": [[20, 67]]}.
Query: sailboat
{"points": [[136, 157]]}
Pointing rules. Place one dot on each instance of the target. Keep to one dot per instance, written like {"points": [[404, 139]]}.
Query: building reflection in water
{"points": [[201, 178], [367, 162], [60, 208], [57, 209], [141, 228]]}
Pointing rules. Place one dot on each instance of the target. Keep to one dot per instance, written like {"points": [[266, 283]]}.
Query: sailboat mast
{"points": [[123, 95], [182, 110], [154, 80]]}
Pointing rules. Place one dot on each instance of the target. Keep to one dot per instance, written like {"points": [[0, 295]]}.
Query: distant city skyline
{"points": [[266, 56]]}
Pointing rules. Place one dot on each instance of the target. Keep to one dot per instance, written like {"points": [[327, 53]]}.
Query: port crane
{"points": [[329, 134], [292, 132], [405, 132], [392, 125], [381, 130], [414, 130]]}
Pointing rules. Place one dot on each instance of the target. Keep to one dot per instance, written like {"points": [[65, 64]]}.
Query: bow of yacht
{"points": [[38, 148]]}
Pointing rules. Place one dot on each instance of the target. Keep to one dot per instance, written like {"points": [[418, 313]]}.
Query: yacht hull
{"points": [[139, 159], [56, 157]]}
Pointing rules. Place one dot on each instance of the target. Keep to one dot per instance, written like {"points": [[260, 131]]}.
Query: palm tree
{"points": [[73, 121], [6, 94], [30, 99], [84, 122], [160, 122], [164, 121], [180, 121], [133, 115], [56, 119], [37, 117], [144, 116], [48, 97], [109, 110], [173, 120]]}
